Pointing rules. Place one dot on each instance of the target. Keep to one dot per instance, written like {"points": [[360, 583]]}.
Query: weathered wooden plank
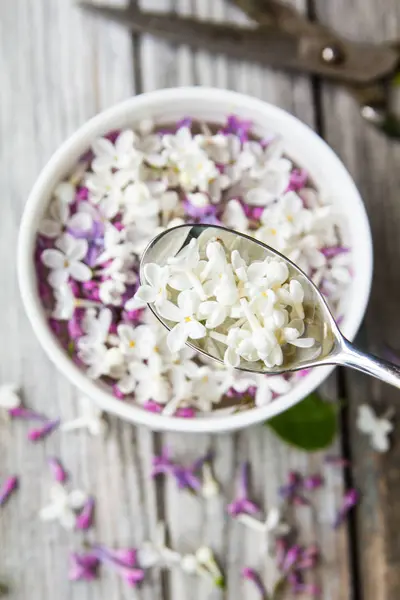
{"points": [[373, 161]]}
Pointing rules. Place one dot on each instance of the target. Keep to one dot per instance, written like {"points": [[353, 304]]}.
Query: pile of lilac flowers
{"points": [[132, 185]]}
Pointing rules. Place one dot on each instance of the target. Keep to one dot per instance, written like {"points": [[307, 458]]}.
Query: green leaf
{"points": [[310, 425]]}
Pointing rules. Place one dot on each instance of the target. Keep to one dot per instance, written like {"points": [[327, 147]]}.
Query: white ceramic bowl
{"points": [[166, 106]]}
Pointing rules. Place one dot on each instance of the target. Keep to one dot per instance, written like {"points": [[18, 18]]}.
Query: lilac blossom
{"points": [[350, 500], [162, 464], [39, 434], [26, 414], [7, 488], [85, 518], [132, 574], [242, 503], [313, 482], [252, 575], [82, 567], [57, 469], [238, 126]]}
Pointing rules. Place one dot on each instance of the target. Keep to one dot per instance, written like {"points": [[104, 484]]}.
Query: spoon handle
{"points": [[350, 356]]}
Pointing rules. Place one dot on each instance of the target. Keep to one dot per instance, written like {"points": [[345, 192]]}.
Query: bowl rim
{"points": [[30, 297]]}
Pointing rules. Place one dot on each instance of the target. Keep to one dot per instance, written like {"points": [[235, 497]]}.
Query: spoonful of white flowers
{"points": [[239, 302]]}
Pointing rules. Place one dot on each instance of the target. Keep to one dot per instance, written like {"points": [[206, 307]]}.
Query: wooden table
{"points": [[58, 67]]}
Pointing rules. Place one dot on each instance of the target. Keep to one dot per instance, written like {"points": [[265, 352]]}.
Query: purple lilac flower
{"points": [[8, 487], [152, 406], [242, 504], [85, 518], [74, 325], [253, 576], [39, 434], [332, 251], [82, 567], [292, 556], [199, 462], [308, 558], [313, 482], [117, 392], [298, 179], [198, 212], [130, 573], [26, 414], [113, 135], [238, 126], [350, 500], [185, 122], [57, 469], [82, 194], [185, 412], [186, 479], [294, 484], [162, 464]]}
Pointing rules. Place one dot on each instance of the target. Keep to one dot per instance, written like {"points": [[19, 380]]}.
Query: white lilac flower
{"points": [[183, 314], [139, 204], [114, 156], [63, 506], [135, 342], [214, 313], [179, 145], [157, 552], [378, 428], [208, 387], [65, 260], [105, 190], [234, 217], [111, 292], [152, 384], [95, 325], [65, 192], [90, 418], [121, 269], [59, 218], [272, 184], [267, 385], [272, 528], [9, 397], [196, 171], [102, 360], [154, 291]]}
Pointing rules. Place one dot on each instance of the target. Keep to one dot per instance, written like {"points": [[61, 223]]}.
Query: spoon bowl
{"points": [[330, 348]]}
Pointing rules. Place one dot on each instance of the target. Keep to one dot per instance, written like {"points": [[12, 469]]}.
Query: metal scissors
{"points": [[282, 38]]}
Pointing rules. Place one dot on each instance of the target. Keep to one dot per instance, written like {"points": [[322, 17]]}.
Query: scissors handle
{"points": [[322, 54]]}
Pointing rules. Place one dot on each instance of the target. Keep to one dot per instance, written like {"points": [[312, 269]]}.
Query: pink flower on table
{"points": [[26, 414], [85, 518], [39, 434], [313, 482], [82, 567], [57, 469], [242, 503], [131, 573], [254, 577], [350, 500], [8, 487]]}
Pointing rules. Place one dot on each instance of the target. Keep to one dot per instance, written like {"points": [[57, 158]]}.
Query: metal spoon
{"points": [[331, 348]]}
